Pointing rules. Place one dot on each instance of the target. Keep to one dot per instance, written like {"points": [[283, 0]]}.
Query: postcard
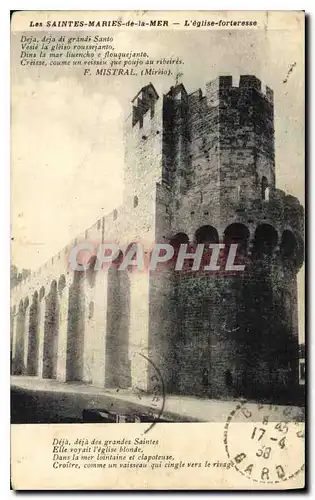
{"points": [[157, 272]]}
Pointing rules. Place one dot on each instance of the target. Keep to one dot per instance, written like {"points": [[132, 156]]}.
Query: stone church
{"points": [[199, 168]]}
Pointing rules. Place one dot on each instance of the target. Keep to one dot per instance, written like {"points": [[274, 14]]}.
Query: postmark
{"points": [[154, 399], [265, 442]]}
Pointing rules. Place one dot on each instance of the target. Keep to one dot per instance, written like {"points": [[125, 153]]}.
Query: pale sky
{"points": [[67, 143]]}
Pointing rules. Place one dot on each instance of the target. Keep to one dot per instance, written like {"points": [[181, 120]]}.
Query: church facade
{"points": [[199, 169]]}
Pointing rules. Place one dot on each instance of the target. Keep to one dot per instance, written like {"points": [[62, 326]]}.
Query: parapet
{"points": [[281, 210], [142, 102], [177, 90], [250, 81], [246, 82]]}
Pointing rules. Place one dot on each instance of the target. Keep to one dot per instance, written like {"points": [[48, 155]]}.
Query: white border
{"points": [[308, 6]]}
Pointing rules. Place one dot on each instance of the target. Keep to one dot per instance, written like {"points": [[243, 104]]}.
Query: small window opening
{"points": [[264, 189], [135, 201]]}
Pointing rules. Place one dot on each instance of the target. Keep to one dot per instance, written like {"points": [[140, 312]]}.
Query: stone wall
{"points": [[198, 167]]}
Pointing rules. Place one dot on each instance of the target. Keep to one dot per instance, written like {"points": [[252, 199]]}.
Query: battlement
{"points": [[58, 263], [281, 210], [246, 83], [199, 169], [143, 101], [158, 121]]}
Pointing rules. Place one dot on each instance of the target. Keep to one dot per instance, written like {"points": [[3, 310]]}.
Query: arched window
{"points": [[206, 234], [177, 240], [265, 240], [238, 193], [135, 201], [237, 233], [264, 189], [53, 286]]}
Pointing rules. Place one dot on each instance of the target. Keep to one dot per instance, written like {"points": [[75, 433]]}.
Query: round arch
{"points": [[61, 283], [236, 233], [206, 234], [265, 240], [178, 239], [288, 245]]}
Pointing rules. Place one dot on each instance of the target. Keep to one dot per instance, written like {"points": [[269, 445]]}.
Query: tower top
{"points": [[148, 90], [144, 100], [246, 83]]}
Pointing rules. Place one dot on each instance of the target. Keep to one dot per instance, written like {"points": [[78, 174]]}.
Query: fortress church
{"points": [[199, 168]]}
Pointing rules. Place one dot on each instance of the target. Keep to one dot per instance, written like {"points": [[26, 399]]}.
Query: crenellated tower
{"points": [[199, 168], [214, 168]]}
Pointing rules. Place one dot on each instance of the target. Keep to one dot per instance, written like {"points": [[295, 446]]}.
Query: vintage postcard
{"points": [[157, 273]]}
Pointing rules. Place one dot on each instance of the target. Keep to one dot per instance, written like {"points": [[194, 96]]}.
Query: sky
{"points": [[67, 130]]}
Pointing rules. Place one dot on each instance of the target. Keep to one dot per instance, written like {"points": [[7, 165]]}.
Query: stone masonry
{"points": [[199, 168]]}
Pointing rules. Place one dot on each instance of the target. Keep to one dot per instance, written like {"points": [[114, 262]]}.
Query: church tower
{"points": [[199, 169], [209, 158]]}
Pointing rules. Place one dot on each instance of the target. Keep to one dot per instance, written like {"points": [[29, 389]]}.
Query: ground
{"points": [[35, 400]]}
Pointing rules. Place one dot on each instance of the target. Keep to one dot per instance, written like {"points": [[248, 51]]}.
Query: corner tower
{"points": [[207, 163], [218, 147]]}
